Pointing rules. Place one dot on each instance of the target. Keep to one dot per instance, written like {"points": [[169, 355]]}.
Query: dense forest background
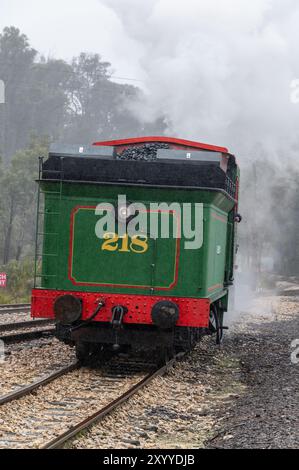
{"points": [[48, 99]]}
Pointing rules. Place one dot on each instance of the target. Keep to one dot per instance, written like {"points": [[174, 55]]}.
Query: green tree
{"points": [[74, 103], [98, 107], [285, 226], [18, 201], [16, 60], [19, 281], [269, 202], [49, 98]]}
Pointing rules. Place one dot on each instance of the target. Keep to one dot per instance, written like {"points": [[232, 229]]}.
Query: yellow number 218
{"points": [[137, 243]]}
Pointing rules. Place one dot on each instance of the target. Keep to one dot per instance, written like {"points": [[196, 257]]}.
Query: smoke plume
{"points": [[219, 70]]}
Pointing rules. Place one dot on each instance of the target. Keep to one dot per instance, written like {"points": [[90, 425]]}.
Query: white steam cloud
{"points": [[219, 70]]}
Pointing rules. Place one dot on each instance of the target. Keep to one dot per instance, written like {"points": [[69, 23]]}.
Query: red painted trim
{"points": [[125, 286], [217, 286], [193, 312], [218, 217], [163, 139], [237, 195]]}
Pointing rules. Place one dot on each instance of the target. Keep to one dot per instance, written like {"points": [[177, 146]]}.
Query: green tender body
{"points": [[202, 273]]}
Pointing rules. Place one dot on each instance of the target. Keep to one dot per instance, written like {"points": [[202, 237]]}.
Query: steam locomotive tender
{"points": [[139, 289]]}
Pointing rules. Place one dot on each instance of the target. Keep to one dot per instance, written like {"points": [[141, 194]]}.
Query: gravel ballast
{"points": [[243, 395]]}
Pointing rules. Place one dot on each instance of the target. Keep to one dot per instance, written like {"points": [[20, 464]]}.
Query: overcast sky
{"points": [[219, 70]]}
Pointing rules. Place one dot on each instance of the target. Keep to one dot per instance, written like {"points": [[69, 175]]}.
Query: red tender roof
{"points": [[168, 140]]}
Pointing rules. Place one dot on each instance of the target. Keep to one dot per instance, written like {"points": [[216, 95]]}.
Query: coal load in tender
{"points": [[145, 152]]}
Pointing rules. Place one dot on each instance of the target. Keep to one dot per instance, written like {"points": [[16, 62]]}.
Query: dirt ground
{"points": [[242, 395], [266, 414]]}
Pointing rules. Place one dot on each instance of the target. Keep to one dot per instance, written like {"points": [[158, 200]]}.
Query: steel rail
{"points": [[27, 336], [39, 383], [14, 305], [24, 324], [99, 415], [14, 308]]}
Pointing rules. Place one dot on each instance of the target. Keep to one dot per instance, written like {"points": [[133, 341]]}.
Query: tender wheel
{"points": [[162, 355], [186, 338], [82, 351], [219, 336], [216, 323]]}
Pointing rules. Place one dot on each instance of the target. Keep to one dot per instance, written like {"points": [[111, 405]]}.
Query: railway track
{"points": [[24, 324], [70, 401], [14, 308], [22, 392], [59, 441], [25, 331]]}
